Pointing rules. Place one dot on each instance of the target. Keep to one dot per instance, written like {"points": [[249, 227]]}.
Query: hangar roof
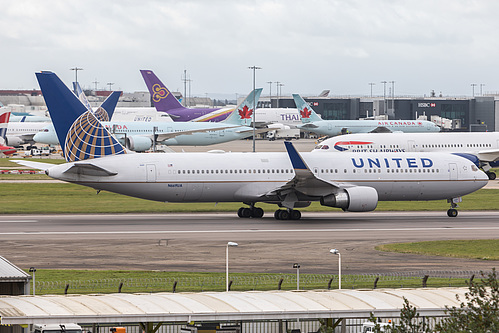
{"points": [[11, 273], [223, 306]]}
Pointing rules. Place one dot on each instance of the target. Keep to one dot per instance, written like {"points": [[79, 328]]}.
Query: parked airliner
{"points": [[313, 123], [351, 181], [483, 145], [141, 136], [20, 133]]}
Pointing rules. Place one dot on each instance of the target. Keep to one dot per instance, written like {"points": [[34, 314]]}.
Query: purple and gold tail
{"points": [[81, 135], [162, 98]]}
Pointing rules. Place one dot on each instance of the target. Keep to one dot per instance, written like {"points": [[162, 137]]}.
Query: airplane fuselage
{"points": [[337, 127], [250, 177]]}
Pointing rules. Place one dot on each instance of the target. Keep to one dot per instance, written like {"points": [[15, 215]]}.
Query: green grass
{"points": [[45, 198], [85, 282], [484, 249]]}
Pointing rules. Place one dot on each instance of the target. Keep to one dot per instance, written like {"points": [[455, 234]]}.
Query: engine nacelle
{"points": [[138, 143], [14, 141], [353, 199]]}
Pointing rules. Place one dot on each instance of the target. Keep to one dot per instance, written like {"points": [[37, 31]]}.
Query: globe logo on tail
{"points": [[159, 93], [101, 114], [87, 139]]}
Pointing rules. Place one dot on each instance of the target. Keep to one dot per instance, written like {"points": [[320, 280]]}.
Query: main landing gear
{"points": [[287, 214], [252, 211], [452, 212], [492, 175]]}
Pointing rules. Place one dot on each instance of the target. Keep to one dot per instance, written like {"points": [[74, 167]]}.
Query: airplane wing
{"points": [[165, 136], [490, 155], [381, 129], [34, 165], [303, 183]]}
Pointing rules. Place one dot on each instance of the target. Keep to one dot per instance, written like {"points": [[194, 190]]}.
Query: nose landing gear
{"points": [[452, 212]]}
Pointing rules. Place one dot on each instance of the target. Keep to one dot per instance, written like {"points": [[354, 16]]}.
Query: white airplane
{"points": [[141, 136], [313, 123], [20, 133], [354, 182], [483, 145]]}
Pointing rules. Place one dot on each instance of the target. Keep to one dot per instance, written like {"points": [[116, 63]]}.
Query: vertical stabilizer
{"points": [[162, 98], [307, 114], [4, 121], [81, 135], [243, 114]]}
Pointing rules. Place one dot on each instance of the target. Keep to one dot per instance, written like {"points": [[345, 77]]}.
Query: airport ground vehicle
{"points": [[283, 133], [57, 328]]}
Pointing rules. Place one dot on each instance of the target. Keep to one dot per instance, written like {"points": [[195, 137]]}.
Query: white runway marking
{"points": [[234, 231], [19, 221]]}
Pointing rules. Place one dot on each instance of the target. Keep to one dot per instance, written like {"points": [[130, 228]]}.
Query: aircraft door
{"points": [[151, 173], [411, 145], [453, 171]]}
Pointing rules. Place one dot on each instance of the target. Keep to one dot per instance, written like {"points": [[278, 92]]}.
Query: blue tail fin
{"points": [[243, 114], [307, 114], [106, 110], [81, 135]]}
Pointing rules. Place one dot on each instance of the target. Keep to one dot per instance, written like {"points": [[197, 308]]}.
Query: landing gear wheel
{"points": [[295, 215], [284, 215], [244, 212], [277, 214], [240, 212], [257, 213], [452, 212], [492, 175]]}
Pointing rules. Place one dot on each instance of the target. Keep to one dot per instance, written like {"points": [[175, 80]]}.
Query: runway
{"points": [[196, 242]]}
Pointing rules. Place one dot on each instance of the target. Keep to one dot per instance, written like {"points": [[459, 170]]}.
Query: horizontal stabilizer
{"points": [[34, 165], [89, 169]]}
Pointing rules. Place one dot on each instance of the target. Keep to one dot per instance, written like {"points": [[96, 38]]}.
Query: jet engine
{"points": [[353, 199], [14, 141], [138, 143]]}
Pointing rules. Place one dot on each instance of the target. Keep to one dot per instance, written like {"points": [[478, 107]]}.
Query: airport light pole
{"points": [[384, 96], [336, 252], [481, 85], [33, 270], [297, 266], [76, 69], [254, 68], [372, 84], [227, 264], [95, 82], [270, 92], [110, 84], [473, 85]]}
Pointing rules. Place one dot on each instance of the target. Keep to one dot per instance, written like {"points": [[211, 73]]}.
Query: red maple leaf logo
{"points": [[245, 113], [305, 113]]}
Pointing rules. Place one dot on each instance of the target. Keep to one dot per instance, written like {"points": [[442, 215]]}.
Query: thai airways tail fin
{"points": [[106, 110], [81, 135], [307, 114], [243, 114], [162, 98]]}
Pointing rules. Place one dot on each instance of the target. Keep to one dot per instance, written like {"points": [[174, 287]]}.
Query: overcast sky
{"points": [[309, 45]]}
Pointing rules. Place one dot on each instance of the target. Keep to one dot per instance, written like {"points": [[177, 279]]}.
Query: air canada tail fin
{"points": [[243, 114], [162, 98], [81, 135], [106, 110], [307, 114]]}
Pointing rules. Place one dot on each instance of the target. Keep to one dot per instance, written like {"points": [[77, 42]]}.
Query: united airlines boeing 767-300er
{"points": [[351, 181], [313, 123], [484, 146]]}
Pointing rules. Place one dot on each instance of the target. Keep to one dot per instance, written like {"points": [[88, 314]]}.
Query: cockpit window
{"points": [[325, 147], [318, 147]]}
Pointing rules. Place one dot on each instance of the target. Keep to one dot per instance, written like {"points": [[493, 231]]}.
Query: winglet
{"points": [[295, 157]]}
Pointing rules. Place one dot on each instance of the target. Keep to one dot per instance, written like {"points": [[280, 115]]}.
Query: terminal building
{"points": [[467, 114]]}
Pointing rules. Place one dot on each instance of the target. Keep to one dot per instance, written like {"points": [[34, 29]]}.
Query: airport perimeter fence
{"points": [[261, 282]]}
